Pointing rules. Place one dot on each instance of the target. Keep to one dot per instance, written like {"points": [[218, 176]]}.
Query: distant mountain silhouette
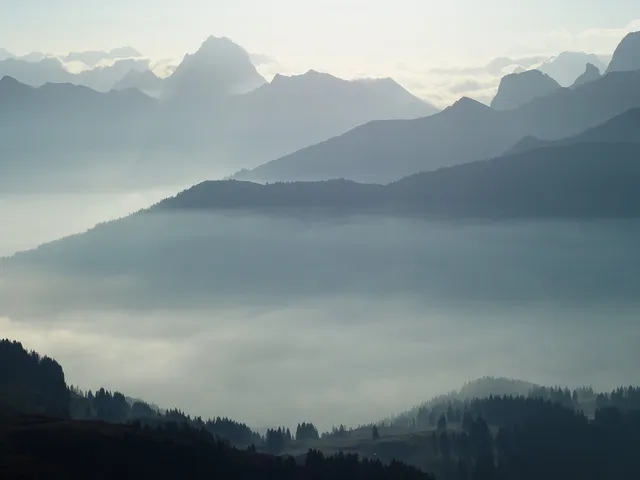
{"points": [[37, 73], [103, 79], [70, 123], [626, 56], [590, 74], [519, 89], [34, 57], [143, 139], [219, 68], [4, 54], [581, 180], [578, 180], [385, 151], [624, 128], [51, 70], [144, 80], [312, 107], [568, 66]]}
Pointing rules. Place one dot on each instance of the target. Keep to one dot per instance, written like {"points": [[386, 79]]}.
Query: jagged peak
{"points": [[526, 74], [590, 74], [591, 67]]}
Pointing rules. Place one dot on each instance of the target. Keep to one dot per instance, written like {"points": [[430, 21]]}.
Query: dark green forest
{"points": [[49, 428]]}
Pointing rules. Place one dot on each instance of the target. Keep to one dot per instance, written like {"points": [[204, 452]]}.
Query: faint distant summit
{"points": [[518, 89], [5, 54], [146, 81], [626, 56], [219, 68], [466, 106], [568, 66]]}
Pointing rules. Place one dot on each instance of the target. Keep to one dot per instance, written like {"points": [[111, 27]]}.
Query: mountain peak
{"points": [[12, 88], [5, 54], [212, 40], [8, 80], [467, 105], [591, 73], [518, 89], [626, 56], [566, 67], [218, 68]]}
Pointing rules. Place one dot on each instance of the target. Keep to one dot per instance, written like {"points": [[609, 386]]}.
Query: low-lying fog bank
{"points": [[274, 320]]}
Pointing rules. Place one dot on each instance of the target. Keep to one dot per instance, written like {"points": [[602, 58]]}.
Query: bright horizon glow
{"points": [[404, 39], [327, 34]]}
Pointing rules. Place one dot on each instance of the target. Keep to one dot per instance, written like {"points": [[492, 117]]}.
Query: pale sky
{"points": [[344, 37], [295, 30]]}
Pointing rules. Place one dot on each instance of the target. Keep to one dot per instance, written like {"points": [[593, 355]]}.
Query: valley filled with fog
{"points": [[393, 241], [273, 319]]}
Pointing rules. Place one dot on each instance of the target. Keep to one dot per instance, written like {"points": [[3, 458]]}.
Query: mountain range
{"points": [[385, 151], [568, 66], [222, 238], [52, 70], [203, 126], [518, 89], [591, 175], [217, 114], [625, 57]]}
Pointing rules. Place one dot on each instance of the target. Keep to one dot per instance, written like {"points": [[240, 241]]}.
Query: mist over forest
{"points": [[224, 266], [352, 318]]}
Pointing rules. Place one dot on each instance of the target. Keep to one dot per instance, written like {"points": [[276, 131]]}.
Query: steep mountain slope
{"points": [[624, 128], [626, 56], [76, 129], [219, 68], [385, 151], [141, 138], [146, 81], [35, 73], [203, 119], [51, 70], [518, 89], [579, 180], [590, 74], [312, 107], [4, 54]]}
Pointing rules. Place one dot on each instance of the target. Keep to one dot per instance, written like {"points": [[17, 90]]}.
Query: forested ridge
{"points": [[47, 426]]}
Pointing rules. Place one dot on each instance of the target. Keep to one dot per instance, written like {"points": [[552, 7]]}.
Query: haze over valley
{"points": [[336, 228]]}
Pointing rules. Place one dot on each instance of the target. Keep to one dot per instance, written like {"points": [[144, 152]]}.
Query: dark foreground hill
{"points": [[41, 447], [540, 435], [55, 446]]}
